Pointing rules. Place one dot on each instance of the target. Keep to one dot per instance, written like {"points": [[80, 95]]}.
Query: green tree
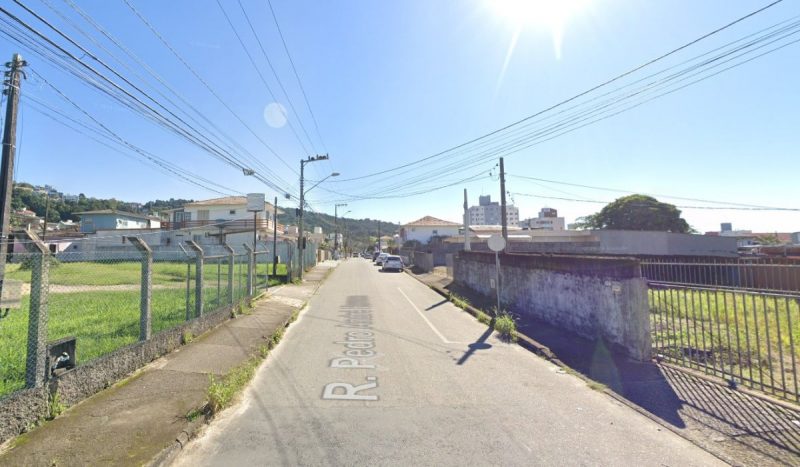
{"points": [[637, 212]]}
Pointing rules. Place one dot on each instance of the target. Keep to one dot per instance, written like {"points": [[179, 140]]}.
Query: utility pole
{"points": [[12, 83], [467, 246], [275, 239], [46, 213], [379, 236], [300, 236], [503, 214], [336, 228]]}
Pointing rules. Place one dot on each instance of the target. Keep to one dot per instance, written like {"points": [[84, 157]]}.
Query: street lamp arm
{"points": [[335, 174]]}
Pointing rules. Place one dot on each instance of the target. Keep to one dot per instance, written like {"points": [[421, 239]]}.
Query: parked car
{"points": [[392, 263], [381, 258], [375, 255]]}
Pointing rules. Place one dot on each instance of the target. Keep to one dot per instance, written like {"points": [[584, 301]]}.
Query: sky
{"points": [[392, 82]]}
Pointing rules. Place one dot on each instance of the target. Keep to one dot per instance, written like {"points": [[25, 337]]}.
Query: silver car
{"points": [[380, 259], [392, 263]]}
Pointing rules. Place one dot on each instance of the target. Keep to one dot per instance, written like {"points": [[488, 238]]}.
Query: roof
{"points": [[491, 228], [431, 221], [118, 213], [225, 201]]}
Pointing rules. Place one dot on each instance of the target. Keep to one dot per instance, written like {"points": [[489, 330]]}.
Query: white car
{"points": [[381, 258], [392, 263]]}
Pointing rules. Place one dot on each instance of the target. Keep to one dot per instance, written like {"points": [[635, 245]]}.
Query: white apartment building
{"points": [[548, 220], [490, 213]]}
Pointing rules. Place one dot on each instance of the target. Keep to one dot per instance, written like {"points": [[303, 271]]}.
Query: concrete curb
{"points": [[545, 352], [169, 453]]}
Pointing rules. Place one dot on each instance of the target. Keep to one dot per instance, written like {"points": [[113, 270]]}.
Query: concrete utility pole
{"points": [[379, 236], [301, 247], [467, 246], [9, 149], [336, 228], [275, 239], [503, 214]]}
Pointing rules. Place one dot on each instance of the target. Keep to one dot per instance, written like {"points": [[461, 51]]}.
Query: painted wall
{"points": [[423, 234], [592, 297], [93, 222]]}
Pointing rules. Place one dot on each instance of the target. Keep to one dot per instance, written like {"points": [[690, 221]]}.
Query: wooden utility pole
{"points": [[9, 149], [503, 214]]}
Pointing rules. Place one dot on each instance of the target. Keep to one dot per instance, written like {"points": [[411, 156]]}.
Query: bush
{"points": [[26, 263]]}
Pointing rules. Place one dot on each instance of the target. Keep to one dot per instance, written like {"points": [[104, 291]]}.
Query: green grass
{"points": [[746, 334], [101, 321], [129, 272]]}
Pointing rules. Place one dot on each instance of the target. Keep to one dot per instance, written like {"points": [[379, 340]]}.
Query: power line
{"points": [[263, 80], [571, 99], [203, 81], [143, 65], [114, 90], [587, 117], [726, 208], [296, 75]]}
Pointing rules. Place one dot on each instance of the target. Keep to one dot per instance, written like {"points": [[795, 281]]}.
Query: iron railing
{"points": [[739, 320]]}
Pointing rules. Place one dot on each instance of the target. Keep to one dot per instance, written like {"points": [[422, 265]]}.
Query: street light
{"points": [[300, 236]]}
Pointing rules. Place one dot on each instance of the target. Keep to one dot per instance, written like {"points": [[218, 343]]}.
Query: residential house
{"points": [[110, 219], [423, 229], [217, 221]]}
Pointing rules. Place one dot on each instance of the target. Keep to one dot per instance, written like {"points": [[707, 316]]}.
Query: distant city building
{"points": [[488, 212], [548, 220]]}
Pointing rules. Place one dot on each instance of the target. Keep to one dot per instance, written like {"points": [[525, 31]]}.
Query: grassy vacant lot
{"points": [[102, 322], [749, 335], [105, 320], [129, 272]]}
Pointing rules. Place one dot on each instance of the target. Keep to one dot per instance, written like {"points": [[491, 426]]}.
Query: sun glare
{"points": [[550, 14]]}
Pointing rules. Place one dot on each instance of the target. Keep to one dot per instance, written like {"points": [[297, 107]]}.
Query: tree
{"points": [[637, 212]]}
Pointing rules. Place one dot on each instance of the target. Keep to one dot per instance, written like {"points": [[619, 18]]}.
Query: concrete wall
{"points": [[593, 297], [423, 260]]}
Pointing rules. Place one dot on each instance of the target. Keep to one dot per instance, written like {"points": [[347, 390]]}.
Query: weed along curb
{"points": [[223, 391]]}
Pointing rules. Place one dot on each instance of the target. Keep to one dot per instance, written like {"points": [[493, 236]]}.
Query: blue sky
{"points": [[392, 82]]}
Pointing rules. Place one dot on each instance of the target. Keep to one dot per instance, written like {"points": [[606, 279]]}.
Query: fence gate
{"points": [[737, 319]]}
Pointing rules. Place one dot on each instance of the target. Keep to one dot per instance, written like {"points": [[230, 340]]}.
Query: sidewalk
{"points": [[141, 418], [733, 425]]}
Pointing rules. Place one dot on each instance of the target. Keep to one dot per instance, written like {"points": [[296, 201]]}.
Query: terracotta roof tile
{"points": [[431, 221]]}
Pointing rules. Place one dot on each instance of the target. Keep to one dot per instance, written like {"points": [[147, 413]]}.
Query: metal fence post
{"points": [[188, 282], [198, 280], [231, 262], [250, 259], [35, 361], [146, 294]]}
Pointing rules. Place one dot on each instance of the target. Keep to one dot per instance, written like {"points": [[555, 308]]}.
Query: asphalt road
{"points": [[430, 387]]}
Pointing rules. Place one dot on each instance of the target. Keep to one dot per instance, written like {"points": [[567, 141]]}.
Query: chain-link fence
{"points": [[103, 300]]}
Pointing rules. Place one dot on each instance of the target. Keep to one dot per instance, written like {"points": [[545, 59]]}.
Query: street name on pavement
{"points": [[359, 345]]}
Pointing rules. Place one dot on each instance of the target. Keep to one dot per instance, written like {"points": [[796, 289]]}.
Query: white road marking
{"points": [[430, 325]]}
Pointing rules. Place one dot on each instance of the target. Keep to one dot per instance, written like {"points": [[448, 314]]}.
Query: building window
{"points": [[232, 211]]}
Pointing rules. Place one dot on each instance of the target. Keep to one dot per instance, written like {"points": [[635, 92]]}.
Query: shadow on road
{"points": [[731, 423], [479, 344]]}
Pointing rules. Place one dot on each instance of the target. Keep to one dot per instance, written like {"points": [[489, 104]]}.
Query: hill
{"points": [[362, 232]]}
